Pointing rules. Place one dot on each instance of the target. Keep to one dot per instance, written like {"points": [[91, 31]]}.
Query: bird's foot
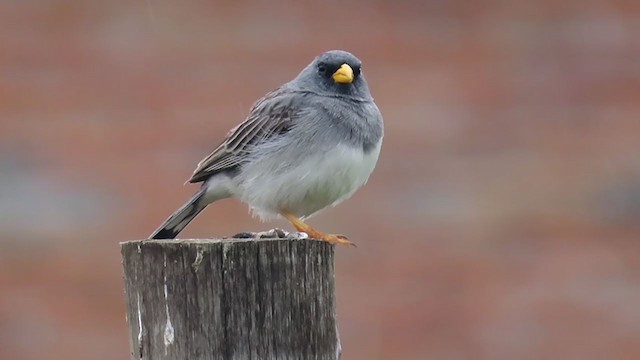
{"points": [[269, 234], [330, 238], [315, 234]]}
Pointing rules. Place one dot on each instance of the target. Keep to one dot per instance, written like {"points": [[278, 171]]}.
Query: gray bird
{"points": [[307, 145]]}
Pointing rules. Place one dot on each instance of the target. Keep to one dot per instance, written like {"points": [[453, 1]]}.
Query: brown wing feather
{"points": [[270, 115]]}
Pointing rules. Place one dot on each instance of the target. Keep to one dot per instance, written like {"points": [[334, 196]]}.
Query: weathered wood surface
{"points": [[230, 299]]}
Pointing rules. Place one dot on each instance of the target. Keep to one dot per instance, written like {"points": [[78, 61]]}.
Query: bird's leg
{"points": [[315, 234]]}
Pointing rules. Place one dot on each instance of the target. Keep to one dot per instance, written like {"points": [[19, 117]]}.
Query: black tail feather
{"points": [[171, 227]]}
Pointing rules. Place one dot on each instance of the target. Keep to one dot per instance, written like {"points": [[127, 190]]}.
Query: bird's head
{"points": [[334, 72]]}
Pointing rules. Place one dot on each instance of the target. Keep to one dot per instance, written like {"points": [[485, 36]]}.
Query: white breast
{"points": [[323, 179]]}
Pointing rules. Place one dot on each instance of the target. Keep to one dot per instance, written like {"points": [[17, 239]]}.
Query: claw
{"points": [[315, 234], [336, 239]]}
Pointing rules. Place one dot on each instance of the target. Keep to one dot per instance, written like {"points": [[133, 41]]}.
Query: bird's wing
{"points": [[270, 116]]}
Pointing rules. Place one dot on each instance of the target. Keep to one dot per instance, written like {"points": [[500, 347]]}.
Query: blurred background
{"points": [[502, 222]]}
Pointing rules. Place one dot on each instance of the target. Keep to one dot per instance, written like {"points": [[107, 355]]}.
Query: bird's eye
{"points": [[356, 71], [322, 68]]}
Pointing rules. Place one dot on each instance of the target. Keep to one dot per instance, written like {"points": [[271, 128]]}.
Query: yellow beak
{"points": [[343, 75]]}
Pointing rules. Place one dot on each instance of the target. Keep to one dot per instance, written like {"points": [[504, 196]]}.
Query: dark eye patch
{"points": [[323, 68], [356, 71]]}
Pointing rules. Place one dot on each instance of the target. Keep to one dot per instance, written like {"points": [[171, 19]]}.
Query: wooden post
{"points": [[230, 299]]}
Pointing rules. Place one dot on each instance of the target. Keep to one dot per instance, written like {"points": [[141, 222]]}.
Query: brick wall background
{"points": [[502, 222]]}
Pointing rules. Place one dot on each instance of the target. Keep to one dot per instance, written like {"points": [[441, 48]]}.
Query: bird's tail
{"points": [[183, 216]]}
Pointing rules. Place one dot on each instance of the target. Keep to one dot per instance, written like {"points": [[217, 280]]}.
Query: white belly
{"points": [[324, 179]]}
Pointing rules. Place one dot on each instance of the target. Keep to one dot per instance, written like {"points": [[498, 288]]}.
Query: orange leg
{"points": [[315, 234]]}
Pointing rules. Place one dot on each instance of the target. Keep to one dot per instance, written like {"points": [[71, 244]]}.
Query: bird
{"points": [[305, 146]]}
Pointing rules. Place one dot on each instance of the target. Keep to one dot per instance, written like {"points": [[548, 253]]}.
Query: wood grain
{"points": [[230, 299]]}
